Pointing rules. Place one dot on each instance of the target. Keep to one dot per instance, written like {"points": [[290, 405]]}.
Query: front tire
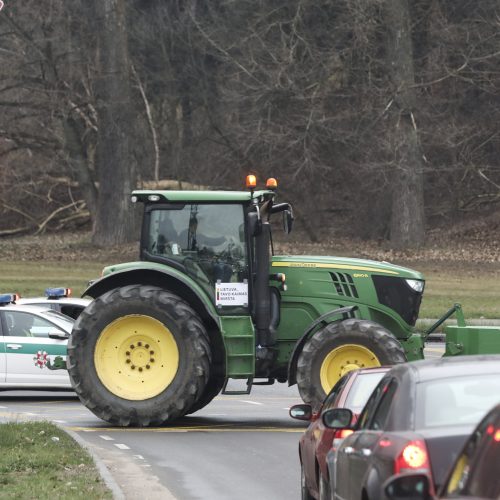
{"points": [[139, 355], [340, 347]]}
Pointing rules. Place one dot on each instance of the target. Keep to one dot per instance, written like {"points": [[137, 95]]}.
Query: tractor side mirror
{"points": [[287, 221]]}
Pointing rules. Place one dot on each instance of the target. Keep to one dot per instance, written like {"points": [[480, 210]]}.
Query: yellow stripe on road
{"points": [[184, 429]]}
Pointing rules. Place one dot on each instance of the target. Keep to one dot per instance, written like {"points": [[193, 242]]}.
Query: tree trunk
{"points": [[407, 218], [79, 163], [114, 166]]}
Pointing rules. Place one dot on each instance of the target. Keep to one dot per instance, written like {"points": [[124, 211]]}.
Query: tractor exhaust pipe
{"points": [[262, 305]]}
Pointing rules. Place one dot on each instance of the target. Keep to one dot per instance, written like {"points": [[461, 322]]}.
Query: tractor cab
{"points": [[221, 240]]}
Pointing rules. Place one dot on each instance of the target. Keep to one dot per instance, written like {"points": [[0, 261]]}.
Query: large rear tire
{"points": [[212, 389], [139, 355], [340, 347]]}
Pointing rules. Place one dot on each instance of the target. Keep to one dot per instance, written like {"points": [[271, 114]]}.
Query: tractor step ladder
{"points": [[239, 339]]}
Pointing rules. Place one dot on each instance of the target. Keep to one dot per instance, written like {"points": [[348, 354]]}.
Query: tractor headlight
{"points": [[416, 285]]}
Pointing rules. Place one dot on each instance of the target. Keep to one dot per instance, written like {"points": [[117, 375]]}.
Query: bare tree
{"points": [[407, 217]]}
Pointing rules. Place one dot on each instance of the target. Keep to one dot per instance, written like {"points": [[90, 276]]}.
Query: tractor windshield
{"points": [[207, 240]]}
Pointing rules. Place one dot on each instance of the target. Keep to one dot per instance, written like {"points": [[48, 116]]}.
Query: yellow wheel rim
{"points": [[136, 357], [343, 359]]}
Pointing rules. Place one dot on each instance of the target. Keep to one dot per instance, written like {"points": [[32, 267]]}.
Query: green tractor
{"points": [[209, 304]]}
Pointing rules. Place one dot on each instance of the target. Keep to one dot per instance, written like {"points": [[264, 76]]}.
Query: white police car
{"points": [[33, 346], [58, 299]]}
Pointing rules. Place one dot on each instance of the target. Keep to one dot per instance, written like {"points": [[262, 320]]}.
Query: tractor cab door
{"points": [[207, 242]]}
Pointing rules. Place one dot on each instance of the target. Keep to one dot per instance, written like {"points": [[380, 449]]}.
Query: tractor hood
{"points": [[344, 264]]}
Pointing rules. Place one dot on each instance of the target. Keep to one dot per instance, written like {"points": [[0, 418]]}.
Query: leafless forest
{"points": [[380, 118]]}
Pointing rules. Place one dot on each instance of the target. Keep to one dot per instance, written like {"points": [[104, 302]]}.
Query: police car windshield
{"points": [[60, 319]]}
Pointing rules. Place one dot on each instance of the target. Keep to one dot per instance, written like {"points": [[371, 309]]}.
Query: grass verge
{"points": [[39, 460]]}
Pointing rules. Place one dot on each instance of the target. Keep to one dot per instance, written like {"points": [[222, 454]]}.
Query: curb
{"points": [[101, 467]]}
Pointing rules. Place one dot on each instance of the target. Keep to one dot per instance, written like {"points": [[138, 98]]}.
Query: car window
{"points": [[330, 400], [456, 401], [371, 405], [475, 471], [22, 324], [484, 480], [361, 389], [379, 419], [71, 310]]}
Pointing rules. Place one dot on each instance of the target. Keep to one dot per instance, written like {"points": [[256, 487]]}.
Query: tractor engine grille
{"points": [[344, 284], [399, 296]]}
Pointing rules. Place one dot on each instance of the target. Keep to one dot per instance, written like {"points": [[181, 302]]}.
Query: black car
{"points": [[416, 420], [475, 473]]}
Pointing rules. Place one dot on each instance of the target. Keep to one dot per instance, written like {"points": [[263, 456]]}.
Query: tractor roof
{"points": [[200, 196]]}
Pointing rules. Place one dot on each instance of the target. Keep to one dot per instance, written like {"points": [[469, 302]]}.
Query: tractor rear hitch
{"points": [[456, 309]]}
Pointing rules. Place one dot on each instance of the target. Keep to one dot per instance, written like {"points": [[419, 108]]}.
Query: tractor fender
{"points": [[167, 278], [345, 312]]}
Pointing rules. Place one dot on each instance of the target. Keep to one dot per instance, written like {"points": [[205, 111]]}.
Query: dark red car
{"points": [[351, 391]]}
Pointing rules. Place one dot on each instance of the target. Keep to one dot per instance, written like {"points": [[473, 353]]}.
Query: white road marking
{"points": [[139, 457], [251, 402], [3, 407], [107, 438], [60, 421], [122, 446], [31, 414], [146, 465]]}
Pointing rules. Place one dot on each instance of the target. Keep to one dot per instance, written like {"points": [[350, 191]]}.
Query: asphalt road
{"points": [[242, 447]]}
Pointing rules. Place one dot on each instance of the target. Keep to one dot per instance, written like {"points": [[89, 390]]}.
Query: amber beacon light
{"points": [[251, 181], [271, 183]]}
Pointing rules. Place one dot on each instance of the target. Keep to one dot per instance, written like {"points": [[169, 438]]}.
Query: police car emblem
{"points": [[40, 359]]}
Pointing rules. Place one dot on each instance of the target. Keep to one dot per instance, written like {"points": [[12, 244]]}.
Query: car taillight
{"points": [[413, 457], [339, 436], [344, 433]]}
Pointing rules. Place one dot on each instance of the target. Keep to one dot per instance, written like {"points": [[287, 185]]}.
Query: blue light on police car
{"points": [[8, 298], [57, 293]]}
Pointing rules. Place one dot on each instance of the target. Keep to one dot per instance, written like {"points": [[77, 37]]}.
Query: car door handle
{"points": [[14, 346], [348, 450]]}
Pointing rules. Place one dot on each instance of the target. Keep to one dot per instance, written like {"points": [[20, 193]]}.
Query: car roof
{"points": [[47, 300], [24, 308], [454, 366]]}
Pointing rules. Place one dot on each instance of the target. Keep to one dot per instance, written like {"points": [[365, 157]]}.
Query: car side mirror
{"points": [[337, 418], [408, 487], [287, 221], [58, 334], [301, 412]]}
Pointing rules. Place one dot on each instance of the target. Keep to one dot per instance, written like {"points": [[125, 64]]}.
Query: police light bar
{"points": [[57, 293], [8, 298]]}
